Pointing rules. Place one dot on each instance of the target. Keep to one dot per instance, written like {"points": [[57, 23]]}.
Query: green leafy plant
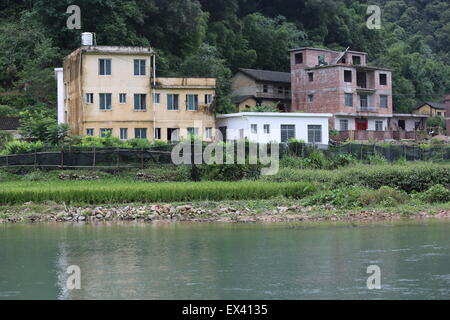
{"points": [[437, 193]]}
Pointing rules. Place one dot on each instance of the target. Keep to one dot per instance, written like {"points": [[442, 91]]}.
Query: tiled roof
{"points": [[11, 123], [266, 75], [436, 105]]}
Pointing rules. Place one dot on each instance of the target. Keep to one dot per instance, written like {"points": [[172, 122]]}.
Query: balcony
{"points": [[274, 95], [366, 109]]}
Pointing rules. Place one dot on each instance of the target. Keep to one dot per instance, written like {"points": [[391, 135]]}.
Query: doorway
{"points": [[361, 124]]}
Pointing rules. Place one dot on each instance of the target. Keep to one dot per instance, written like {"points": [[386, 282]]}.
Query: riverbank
{"points": [[255, 211]]}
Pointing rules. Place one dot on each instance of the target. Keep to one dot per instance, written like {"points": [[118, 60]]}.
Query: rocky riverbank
{"points": [[207, 212]]}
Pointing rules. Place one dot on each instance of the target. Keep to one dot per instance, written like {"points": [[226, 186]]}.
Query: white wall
{"points": [[371, 124], [275, 122], [60, 93]]}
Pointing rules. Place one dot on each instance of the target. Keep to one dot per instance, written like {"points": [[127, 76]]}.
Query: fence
{"points": [[363, 151], [88, 158], [111, 158]]}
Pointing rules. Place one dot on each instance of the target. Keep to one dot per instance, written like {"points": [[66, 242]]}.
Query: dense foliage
{"points": [[215, 37]]}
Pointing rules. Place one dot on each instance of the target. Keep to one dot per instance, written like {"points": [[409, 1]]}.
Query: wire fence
{"points": [[111, 158]]}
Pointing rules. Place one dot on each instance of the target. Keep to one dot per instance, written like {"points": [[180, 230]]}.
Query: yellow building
{"points": [[431, 109], [109, 89]]}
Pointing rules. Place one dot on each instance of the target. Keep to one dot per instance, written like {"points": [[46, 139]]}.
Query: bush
{"points": [[376, 159], [18, 147], [341, 160], [344, 197], [437, 193], [230, 172], [385, 196], [411, 177], [139, 143]]}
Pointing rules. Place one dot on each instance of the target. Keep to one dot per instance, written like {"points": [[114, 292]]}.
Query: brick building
{"points": [[447, 104], [325, 81]]}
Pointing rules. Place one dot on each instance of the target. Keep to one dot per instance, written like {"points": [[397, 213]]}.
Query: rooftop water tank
{"points": [[87, 39]]}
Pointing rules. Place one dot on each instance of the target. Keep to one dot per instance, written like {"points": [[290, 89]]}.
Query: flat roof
{"points": [[328, 50], [117, 49], [275, 114], [412, 115]]}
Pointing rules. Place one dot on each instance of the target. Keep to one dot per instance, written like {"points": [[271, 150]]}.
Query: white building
{"points": [[263, 127]]}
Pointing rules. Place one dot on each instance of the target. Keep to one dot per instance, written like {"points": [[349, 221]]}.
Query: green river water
{"points": [[226, 261]]}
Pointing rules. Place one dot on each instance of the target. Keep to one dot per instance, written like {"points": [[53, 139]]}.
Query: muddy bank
{"points": [[53, 212]]}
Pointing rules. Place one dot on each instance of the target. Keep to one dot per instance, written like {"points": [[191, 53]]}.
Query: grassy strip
{"points": [[122, 192]]}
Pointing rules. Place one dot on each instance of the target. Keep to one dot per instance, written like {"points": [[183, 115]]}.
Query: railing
{"points": [[367, 109], [273, 95]]}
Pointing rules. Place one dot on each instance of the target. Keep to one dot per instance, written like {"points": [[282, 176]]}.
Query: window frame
{"points": [[140, 130], [157, 98], [173, 106], [208, 99], [377, 123], [384, 77], [254, 128], [266, 128], [103, 130], [298, 58], [142, 102], [120, 98], [345, 127], [316, 131], [188, 106], [123, 133], [90, 132], [289, 131], [208, 133], [141, 69], [103, 65], [106, 107], [350, 96], [91, 100], [385, 98], [348, 76]]}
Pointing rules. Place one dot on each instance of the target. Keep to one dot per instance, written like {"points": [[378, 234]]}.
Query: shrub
{"points": [[376, 159], [315, 160], [341, 160], [108, 141], [387, 196], [437, 193], [139, 143], [230, 172], [17, 147], [343, 197]]}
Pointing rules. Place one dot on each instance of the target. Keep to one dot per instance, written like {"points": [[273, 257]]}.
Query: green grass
{"points": [[117, 191]]}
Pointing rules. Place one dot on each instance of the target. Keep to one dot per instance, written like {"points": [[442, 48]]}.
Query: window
{"points": [[139, 67], [89, 98], [347, 75], [287, 132], [349, 99], [157, 134], [439, 113], [378, 125], [383, 79], [383, 101], [157, 98], [104, 67], [173, 134], [356, 60], [140, 133], [299, 58], [343, 125], [265, 88], [280, 90], [314, 133], [140, 101], [105, 132], [363, 101], [267, 128], [191, 102], [105, 101], [311, 76], [122, 98], [254, 128], [192, 132], [89, 132], [172, 102], [208, 133], [310, 98], [208, 98], [123, 133]]}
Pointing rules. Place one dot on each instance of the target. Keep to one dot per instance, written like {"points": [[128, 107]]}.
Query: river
{"points": [[226, 261]]}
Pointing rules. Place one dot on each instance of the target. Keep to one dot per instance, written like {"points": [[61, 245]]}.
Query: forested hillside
{"points": [[215, 37]]}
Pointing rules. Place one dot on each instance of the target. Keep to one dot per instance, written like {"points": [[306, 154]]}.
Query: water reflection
{"points": [[213, 261]]}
